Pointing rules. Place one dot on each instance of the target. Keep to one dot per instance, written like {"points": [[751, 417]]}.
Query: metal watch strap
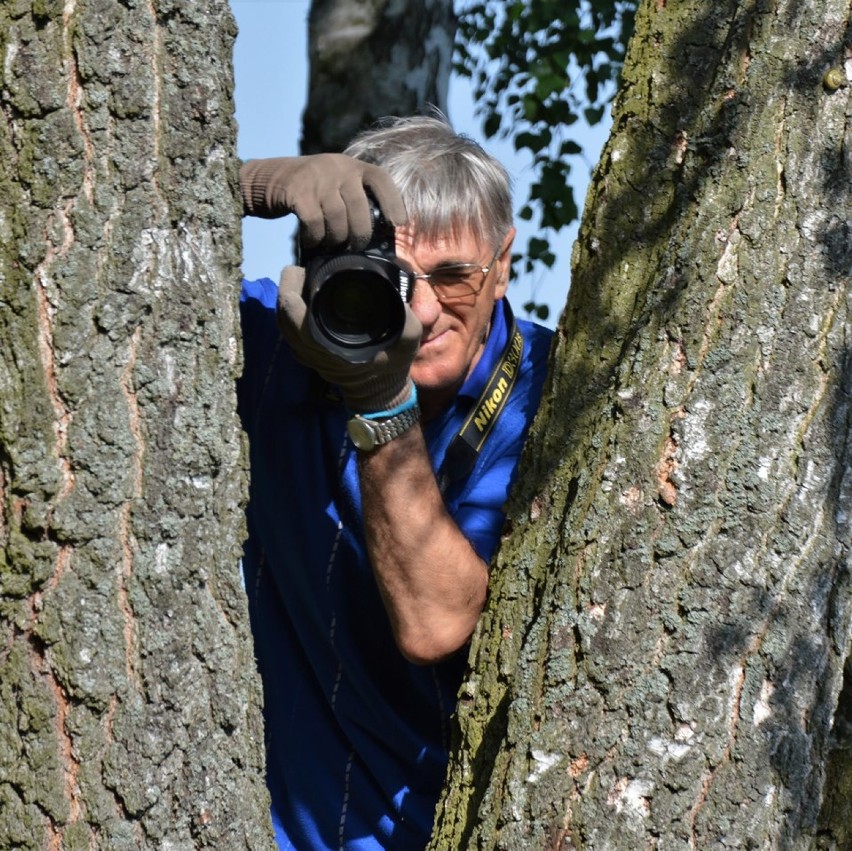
{"points": [[368, 433]]}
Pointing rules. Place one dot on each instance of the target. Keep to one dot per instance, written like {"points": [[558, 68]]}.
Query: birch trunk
{"points": [[368, 60]]}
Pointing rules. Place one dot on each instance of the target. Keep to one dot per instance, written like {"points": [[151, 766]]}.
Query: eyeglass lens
{"points": [[457, 281]]}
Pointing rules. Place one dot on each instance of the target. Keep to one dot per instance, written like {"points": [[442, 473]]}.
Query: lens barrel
{"points": [[356, 303]]}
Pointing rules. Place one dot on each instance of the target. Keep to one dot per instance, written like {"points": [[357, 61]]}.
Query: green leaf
{"points": [[593, 114], [535, 142], [491, 125], [537, 67], [537, 246], [569, 148], [531, 105]]}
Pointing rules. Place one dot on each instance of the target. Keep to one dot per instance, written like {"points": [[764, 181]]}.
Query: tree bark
{"points": [[661, 662], [129, 703], [371, 59]]}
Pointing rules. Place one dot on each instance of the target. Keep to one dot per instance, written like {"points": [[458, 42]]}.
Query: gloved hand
{"points": [[325, 191], [379, 385]]}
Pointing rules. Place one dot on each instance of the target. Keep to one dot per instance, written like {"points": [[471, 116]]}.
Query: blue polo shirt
{"points": [[357, 737]]}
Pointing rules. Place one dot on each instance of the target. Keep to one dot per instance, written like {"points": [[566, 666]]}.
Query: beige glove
{"points": [[378, 385], [325, 191]]}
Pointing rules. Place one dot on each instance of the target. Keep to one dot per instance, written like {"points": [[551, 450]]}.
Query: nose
{"points": [[425, 304]]}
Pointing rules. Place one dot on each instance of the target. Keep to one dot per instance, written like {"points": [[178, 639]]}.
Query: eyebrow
{"points": [[445, 264]]}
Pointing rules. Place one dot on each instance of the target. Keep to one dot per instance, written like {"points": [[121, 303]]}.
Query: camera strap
{"points": [[466, 445]]}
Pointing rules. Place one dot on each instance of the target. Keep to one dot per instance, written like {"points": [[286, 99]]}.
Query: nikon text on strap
{"points": [[464, 449]]}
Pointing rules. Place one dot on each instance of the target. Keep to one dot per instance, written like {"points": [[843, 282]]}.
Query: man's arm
{"points": [[431, 579], [433, 583]]}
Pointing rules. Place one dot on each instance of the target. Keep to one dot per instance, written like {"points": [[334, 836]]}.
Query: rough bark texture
{"points": [[373, 58], [662, 659], [128, 698]]}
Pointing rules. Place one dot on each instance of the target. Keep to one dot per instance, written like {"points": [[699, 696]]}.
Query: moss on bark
{"points": [[660, 661], [130, 704]]}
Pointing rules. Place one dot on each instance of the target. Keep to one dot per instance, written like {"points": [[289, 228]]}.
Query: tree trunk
{"points": [[372, 59], [662, 658], [129, 704]]}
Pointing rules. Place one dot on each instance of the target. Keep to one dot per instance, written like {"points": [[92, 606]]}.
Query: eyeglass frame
{"points": [[471, 267]]}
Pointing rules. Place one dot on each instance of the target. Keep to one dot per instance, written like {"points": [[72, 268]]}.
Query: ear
{"points": [[503, 264]]}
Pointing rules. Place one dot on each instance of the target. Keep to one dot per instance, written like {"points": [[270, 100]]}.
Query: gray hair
{"points": [[448, 181]]}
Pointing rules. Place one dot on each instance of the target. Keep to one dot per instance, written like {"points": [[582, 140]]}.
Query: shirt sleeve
{"points": [[480, 515], [259, 326]]}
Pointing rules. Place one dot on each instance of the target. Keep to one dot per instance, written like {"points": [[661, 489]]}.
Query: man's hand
{"points": [[378, 385], [325, 191]]}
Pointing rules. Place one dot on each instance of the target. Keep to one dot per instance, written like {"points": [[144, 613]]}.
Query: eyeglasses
{"points": [[458, 281]]}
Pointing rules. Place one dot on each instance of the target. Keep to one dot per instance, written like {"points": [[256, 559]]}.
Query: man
{"points": [[367, 567]]}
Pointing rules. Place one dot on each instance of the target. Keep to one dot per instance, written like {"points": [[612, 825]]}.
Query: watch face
{"points": [[361, 433], [367, 434]]}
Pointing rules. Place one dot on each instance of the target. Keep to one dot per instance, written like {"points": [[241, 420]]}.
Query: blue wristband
{"points": [[409, 403]]}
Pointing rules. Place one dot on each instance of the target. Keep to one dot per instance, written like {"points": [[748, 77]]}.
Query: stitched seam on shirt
{"points": [[445, 737], [345, 807], [341, 461], [333, 626], [261, 566], [341, 458]]}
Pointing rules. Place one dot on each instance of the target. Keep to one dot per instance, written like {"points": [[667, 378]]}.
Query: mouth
{"points": [[432, 339]]}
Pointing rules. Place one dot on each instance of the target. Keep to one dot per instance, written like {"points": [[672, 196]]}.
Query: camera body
{"points": [[356, 299]]}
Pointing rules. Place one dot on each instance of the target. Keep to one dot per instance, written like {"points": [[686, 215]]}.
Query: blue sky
{"points": [[270, 61]]}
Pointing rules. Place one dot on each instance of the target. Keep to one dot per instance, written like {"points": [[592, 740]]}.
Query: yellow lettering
{"points": [[513, 358], [490, 405]]}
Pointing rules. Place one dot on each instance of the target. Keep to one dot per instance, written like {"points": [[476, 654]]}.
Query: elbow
{"points": [[428, 632], [423, 657], [430, 649]]}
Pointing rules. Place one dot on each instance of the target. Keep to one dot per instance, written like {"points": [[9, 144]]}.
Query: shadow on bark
{"points": [[710, 132], [836, 813], [482, 763], [673, 138], [834, 819]]}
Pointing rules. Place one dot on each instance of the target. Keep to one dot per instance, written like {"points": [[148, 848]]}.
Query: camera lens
{"points": [[356, 308]]}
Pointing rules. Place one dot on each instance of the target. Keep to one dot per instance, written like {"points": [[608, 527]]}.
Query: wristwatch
{"points": [[367, 433]]}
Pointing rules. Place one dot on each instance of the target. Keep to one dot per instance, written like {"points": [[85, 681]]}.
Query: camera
{"points": [[356, 299]]}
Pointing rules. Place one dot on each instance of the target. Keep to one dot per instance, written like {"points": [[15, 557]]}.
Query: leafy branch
{"points": [[537, 67]]}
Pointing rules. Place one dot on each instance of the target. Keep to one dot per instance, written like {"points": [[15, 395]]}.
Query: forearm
{"points": [[432, 581]]}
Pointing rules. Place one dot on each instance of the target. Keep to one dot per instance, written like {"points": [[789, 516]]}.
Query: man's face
{"points": [[454, 330]]}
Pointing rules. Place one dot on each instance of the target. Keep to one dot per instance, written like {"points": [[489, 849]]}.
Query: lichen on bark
{"points": [[129, 702], [661, 658]]}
